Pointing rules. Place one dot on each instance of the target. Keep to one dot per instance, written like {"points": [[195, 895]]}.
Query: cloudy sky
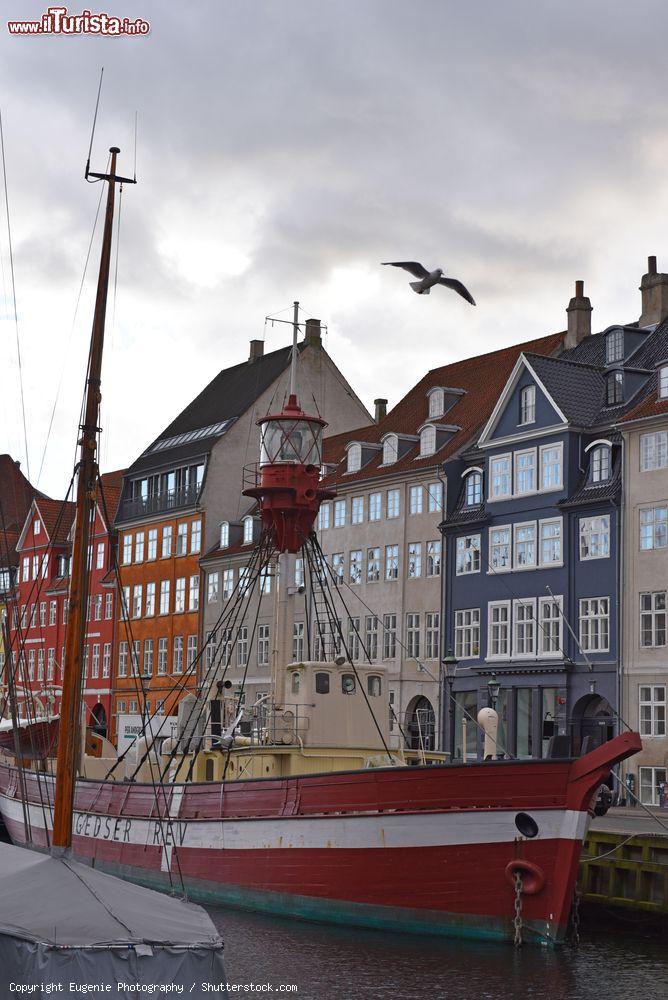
{"points": [[285, 148]]}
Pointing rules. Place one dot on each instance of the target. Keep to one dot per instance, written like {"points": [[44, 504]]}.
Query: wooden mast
{"points": [[69, 740]]}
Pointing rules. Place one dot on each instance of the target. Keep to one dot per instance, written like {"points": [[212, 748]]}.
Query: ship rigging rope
{"points": [[16, 315]]}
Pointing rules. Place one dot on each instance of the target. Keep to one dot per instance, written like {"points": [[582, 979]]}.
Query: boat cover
{"points": [[62, 921]]}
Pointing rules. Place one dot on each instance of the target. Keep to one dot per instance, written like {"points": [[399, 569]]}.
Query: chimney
{"points": [[256, 350], [654, 295], [579, 317], [381, 409], [313, 336]]}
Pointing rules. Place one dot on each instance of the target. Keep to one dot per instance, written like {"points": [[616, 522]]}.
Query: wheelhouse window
{"points": [[322, 683], [614, 388], [600, 463], [373, 685], [390, 449], [614, 346], [348, 684], [473, 489], [528, 405]]}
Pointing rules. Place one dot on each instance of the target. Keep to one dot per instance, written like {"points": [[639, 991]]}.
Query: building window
{"points": [[191, 652], [389, 637], [391, 562], [663, 382], [549, 625], [390, 449], [468, 554], [100, 556], [354, 639], [139, 547], [108, 606], [415, 500], [653, 525], [339, 513], [435, 498], [127, 550], [338, 567], [525, 546], [498, 630], [263, 646], [51, 664], [152, 552], [499, 548], [162, 656], [213, 583], [550, 543], [323, 516], [393, 503], [373, 565], [248, 530], [650, 779], [595, 624], [195, 536], [194, 593], [375, 506], [524, 632], [500, 477], [528, 405], [356, 566], [652, 707], [653, 619], [371, 637], [52, 612], [182, 539], [148, 658], [224, 535], [167, 541], [525, 472], [137, 600], [357, 510], [180, 595], [242, 646], [467, 633], [244, 580], [321, 683], [432, 635], [614, 388], [595, 537], [228, 583], [551, 465], [134, 657], [436, 403], [354, 458], [473, 489], [412, 635], [414, 560], [122, 659], [614, 346], [177, 655], [164, 597], [106, 660], [653, 451], [434, 558], [125, 606], [427, 441]]}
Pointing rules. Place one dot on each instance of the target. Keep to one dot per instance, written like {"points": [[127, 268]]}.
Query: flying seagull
{"points": [[430, 278]]}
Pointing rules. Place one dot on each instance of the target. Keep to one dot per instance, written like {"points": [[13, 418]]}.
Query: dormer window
{"points": [[528, 404], [614, 346], [390, 449], [354, 458], [663, 382], [600, 463], [224, 535], [248, 530], [614, 388], [473, 488], [427, 440], [436, 403]]}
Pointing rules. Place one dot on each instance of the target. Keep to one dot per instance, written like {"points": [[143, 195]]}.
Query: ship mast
{"points": [[69, 740]]}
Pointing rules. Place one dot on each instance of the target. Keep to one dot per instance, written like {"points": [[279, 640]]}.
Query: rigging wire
{"points": [[92, 132], [16, 316]]}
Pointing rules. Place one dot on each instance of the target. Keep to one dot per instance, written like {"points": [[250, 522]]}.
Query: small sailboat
{"points": [[61, 920]]}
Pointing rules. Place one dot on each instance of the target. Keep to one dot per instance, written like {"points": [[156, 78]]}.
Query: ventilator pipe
{"points": [[488, 720]]}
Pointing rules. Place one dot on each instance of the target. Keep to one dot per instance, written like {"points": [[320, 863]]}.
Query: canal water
{"points": [[615, 962]]}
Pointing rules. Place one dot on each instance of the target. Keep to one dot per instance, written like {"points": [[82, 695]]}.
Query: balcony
{"points": [[160, 503]]}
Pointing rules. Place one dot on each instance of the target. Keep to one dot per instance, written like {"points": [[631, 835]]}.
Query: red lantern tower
{"points": [[287, 484]]}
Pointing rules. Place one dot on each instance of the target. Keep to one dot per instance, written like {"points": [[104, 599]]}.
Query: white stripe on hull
{"points": [[363, 832]]}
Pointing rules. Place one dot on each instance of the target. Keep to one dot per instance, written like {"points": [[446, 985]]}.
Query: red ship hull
{"points": [[426, 849]]}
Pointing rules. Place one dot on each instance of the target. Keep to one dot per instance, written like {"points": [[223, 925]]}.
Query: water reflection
{"points": [[331, 962]]}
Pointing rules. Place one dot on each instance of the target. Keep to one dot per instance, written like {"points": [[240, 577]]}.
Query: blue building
{"points": [[532, 543]]}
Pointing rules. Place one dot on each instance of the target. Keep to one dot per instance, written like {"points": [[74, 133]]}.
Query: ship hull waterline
{"points": [[429, 850]]}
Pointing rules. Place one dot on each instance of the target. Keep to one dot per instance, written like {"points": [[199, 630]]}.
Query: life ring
{"points": [[533, 877]]}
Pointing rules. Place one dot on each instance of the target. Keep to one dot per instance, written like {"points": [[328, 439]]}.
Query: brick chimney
{"points": [[313, 335], [256, 350], [579, 317], [381, 409], [654, 295]]}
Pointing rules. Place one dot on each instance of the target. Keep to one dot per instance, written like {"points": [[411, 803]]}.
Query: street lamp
{"points": [[449, 669], [493, 688]]}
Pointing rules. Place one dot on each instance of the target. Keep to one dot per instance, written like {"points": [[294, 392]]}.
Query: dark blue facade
{"points": [[547, 563]]}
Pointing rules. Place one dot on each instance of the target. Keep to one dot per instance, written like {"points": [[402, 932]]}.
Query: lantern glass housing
{"points": [[291, 440]]}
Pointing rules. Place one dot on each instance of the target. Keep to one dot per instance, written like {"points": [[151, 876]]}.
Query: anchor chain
{"points": [[517, 920], [575, 920]]}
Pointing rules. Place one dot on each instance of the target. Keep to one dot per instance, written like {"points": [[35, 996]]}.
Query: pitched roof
{"points": [[577, 389], [57, 517], [111, 487], [482, 378], [16, 496], [650, 405], [226, 397]]}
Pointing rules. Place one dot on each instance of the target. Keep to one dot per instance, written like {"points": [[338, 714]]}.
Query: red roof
{"points": [[16, 496], [482, 378], [57, 517], [649, 406], [111, 487]]}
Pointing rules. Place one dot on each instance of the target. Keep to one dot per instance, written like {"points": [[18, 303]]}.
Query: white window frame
{"points": [[436, 402], [650, 525], [391, 562], [653, 724], [469, 477], [586, 532], [517, 566], [544, 448], [527, 405], [467, 625], [393, 503], [324, 516], [585, 604], [517, 472], [433, 557], [224, 534], [601, 463], [355, 567], [655, 613], [375, 506], [340, 513], [548, 522], [357, 510], [497, 545], [468, 549], [390, 450], [498, 625], [656, 773], [354, 458], [520, 608], [653, 451], [248, 530], [550, 602], [415, 499], [373, 564], [213, 587], [493, 495], [435, 498], [427, 441], [662, 379], [414, 563]]}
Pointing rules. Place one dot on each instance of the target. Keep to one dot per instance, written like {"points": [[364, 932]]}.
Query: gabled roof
{"points": [[57, 517], [111, 487], [481, 378], [16, 496]]}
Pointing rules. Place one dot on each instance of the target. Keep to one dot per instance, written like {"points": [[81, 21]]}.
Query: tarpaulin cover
{"points": [[64, 921]]}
